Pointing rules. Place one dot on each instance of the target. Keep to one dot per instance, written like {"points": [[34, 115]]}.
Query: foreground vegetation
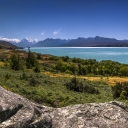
{"points": [[26, 74], [51, 91]]}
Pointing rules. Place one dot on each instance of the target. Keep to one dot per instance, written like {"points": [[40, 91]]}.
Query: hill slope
{"points": [[7, 45]]}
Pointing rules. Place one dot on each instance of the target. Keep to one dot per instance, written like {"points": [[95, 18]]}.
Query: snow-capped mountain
{"points": [[78, 42], [25, 42]]}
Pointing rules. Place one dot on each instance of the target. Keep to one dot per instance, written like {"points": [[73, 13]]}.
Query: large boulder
{"points": [[19, 112]]}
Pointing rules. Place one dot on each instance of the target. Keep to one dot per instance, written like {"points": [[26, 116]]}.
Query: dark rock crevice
{"points": [[8, 112]]}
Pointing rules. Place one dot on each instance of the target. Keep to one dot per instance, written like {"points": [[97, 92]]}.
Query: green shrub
{"points": [[37, 69], [120, 90], [68, 72], [23, 76], [77, 86], [33, 81], [7, 76], [123, 95], [39, 56]]}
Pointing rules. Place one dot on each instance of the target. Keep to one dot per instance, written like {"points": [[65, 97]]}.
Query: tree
{"points": [[15, 62], [30, 60]]}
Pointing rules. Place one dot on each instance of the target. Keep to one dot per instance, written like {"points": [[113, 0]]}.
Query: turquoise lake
{"points": [[119, 54]]}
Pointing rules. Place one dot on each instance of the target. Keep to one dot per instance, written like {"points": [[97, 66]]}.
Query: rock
{"points": [[19, 112]]}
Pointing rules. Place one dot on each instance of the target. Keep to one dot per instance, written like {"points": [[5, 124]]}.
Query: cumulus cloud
{"points": [[10, 40], [56, 31], [42, 33]]}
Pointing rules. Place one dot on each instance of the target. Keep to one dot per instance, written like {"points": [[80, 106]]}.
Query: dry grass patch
{"points": [[110, 80], [2, 64], [4, 50], [57, 75]]}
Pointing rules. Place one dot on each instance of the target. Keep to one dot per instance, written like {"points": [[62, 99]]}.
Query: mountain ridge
{"points": [[83, 42], [49, 42], [78, 42]]}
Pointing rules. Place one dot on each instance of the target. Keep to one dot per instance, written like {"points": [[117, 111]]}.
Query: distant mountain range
{"points": [[83, 42], [49, 42], [79, 42]]}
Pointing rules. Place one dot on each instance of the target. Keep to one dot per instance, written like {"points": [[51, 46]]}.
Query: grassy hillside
{"points": [[42, 82]]}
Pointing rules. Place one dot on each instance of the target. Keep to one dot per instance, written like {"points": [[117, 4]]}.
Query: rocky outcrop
{"points": [[19, 112]]}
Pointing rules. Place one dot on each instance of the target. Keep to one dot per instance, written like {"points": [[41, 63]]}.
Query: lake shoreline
{"points": [[118, 54]]}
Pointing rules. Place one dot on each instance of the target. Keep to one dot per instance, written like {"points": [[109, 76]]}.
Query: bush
{"points": [[68, 72], [123, 95], [23, 76], [37, 69], [33, 81], [120, 90], [39, 56], [77, 86], [7, 76]]}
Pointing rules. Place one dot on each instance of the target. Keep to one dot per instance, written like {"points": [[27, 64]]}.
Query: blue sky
{"points": [[65, 19]]}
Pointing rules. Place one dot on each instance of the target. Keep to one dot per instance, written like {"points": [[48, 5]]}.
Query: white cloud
{"points": [[10, 40], [42, 33], [57, 32]]}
